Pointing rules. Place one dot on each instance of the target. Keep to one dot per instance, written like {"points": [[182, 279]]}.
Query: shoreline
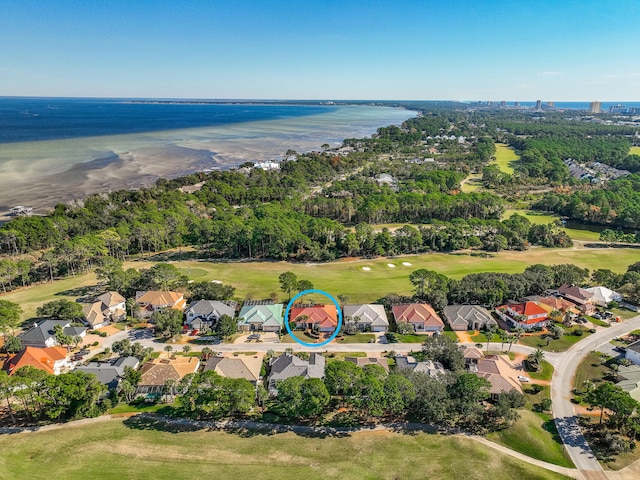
{"points": [[45, 173]]}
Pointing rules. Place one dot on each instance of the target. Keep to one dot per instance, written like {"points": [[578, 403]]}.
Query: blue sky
{"points": [[460, 50]]}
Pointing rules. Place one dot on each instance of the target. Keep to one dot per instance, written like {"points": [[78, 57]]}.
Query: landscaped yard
{"points": [[535, 435], [591, 369], [556, 345], [358, 338], [545, 374], [145, 450]]}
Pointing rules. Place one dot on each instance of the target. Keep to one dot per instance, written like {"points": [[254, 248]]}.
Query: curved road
{"points": [[561, 388], [565, 364]]}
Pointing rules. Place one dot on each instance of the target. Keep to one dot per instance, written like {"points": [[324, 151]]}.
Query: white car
{"points": [[524, 379]]}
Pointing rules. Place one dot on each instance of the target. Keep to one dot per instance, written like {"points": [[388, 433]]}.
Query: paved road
{"points": [[561, 387]]}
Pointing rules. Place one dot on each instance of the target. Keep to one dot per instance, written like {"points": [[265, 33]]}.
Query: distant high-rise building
{"points": [[595, 107], [551, 104], [489, 103], [617, 109], [538, 104], [503, 103], [516, 104]]}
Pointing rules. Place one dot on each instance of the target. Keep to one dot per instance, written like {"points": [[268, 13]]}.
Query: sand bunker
{"points": [[366, 269], [391, 265], [406, 264], [216, 281]]}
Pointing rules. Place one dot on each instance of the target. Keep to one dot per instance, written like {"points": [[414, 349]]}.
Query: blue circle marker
{"points": [[290, 304]]}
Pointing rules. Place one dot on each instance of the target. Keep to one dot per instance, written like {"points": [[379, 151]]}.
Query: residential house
{"points": [[581, 297], [421, 316], [288, 365], [42, 335], [323, 318], [364, 361], [242, 366], [368, 317], [603, 296], [157, 372], [527, 315], [260, 317], [630, 380], [471, 355], [108, 307], [558, 304], [110, 373], [500, 372], [468, 317], [152, 300], [53, 360], [206, 313], [632, 352], [407, 362]]}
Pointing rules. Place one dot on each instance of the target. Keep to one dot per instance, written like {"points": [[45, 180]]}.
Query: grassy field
{"points": [[114, 451], [545, 374], [505, 156], [535, 435], [590, 369], [556, 345], [541, 218], [259, 279], [634, 151]]}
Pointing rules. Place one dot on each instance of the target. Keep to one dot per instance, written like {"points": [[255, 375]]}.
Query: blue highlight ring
{"points": [[290, 304]]}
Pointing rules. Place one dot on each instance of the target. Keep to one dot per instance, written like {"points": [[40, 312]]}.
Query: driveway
{"points": [[561, 388]]}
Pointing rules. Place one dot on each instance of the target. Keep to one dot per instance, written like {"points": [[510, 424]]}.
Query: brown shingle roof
{"points": [[159, 370]]}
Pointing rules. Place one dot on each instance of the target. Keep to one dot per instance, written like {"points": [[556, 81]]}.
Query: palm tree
{"points": [[186, 349], [489, 334], [342, 298], [168, 349], [518, 332], [535, 359], [206, 353]]}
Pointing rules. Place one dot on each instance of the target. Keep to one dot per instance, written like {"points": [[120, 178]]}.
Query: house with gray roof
{"points": [[110, 373], [468, 317], [368, 317], [206, 313], [42, 335], [261, 318], [431, 368], [630, 382], [288, 365]]}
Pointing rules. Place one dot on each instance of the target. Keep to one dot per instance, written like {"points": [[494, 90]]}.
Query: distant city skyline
{"points": [[405, 50]]}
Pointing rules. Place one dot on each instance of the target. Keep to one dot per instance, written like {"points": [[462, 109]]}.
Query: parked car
{"points": [[620, 349], [523, 379], [597, 315], [581, 320], [254, 336]]}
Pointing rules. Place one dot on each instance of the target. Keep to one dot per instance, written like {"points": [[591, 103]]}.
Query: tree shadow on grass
{"points": [[87, 293]]}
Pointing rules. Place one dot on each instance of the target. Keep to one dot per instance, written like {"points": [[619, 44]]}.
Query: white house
{"points": [[603, 296], [632, 353]]}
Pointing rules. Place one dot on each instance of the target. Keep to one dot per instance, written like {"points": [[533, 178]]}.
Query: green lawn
{"points": [[545, 374], [505, 156], [559, 345], [535, 435], [259, 279], [145, 450], [537, 218], [411, 338], [634, 151], [357, 338], [590, 369]]}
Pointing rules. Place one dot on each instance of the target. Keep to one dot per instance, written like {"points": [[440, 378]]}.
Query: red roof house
{"points": [[421, 316], [51, 360], [527, 315], [324, 316]]}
